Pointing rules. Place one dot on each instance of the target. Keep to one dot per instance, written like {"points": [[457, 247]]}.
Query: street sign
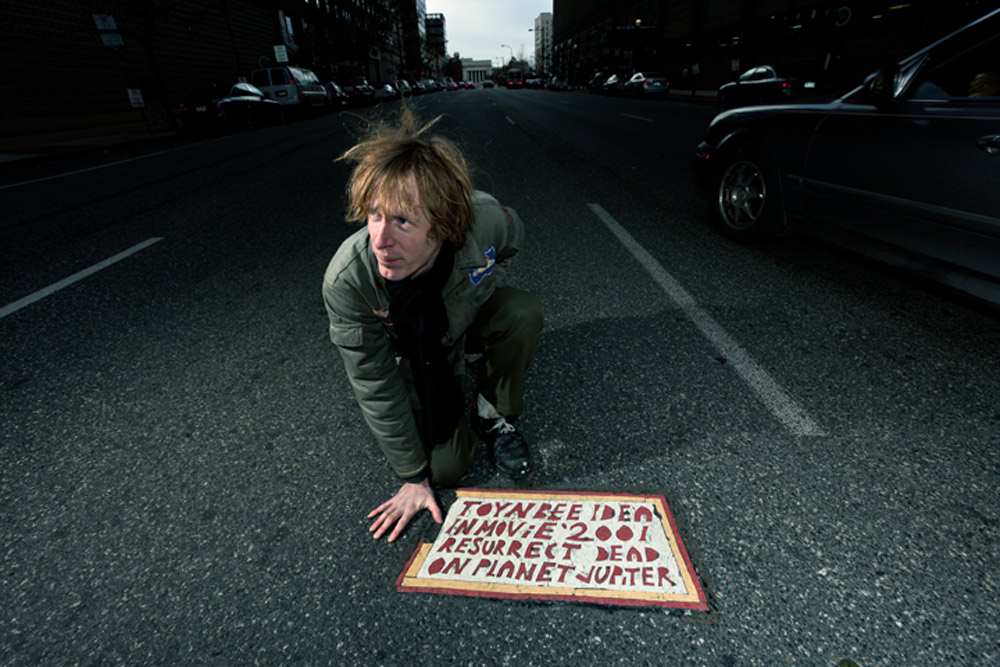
{"points": [[604, 548], [280, 53], [104, 22], [135, 98], [108, 29]]}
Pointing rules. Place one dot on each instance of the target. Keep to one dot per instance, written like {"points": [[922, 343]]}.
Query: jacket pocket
{"points": [[346, 334]]}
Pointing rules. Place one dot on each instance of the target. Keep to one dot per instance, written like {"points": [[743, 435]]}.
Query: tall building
{"points": [[436, 41], [411, 15], [706, 44], [75, 64], [543, 42]]}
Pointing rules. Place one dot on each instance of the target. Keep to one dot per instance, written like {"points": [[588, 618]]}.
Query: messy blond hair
{"points": [[390, 155]]}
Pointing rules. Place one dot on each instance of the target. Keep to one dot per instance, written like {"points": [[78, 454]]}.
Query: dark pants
{"points": [[506, 331]]}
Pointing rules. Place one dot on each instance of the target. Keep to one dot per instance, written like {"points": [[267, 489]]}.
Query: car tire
{"points": [[746, 203]]}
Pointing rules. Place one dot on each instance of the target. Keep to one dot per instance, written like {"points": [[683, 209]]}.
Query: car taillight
{"points": [[645, 83], [784, 84]]}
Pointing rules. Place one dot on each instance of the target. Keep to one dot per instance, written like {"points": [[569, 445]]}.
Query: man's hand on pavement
{"points": [[409, 500]]}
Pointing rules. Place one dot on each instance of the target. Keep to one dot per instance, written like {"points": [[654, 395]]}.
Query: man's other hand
{"points": [[409, 500]]}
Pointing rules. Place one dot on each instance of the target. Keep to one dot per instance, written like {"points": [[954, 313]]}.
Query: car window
{"points": [[259, 78], [279, 77], [974, 72]]}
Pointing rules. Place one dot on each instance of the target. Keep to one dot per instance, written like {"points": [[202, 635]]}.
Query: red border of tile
{"points": [[701, 604]]}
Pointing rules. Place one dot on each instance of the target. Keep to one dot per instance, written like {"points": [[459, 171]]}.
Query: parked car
{"points": [[647, 84], [467, 85], [292, 87], [404, 87], [557, 84], [596, 83], [903, 169], [386, 93], [336, 98], [613, 85], [762, 85], [488, 84], [221, 108], [358, 89], [431, 85]]}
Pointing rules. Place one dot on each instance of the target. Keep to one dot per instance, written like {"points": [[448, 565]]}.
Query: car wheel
{"points": [[747, 202]]}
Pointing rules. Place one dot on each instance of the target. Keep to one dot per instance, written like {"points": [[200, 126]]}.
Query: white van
{"points": [[291, 86]]}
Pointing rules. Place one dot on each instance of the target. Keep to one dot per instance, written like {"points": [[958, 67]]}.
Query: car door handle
{"points": [[989, 145]]}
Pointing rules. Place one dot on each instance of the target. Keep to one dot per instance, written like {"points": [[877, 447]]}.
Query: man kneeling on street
{"points": [[409, 295]]}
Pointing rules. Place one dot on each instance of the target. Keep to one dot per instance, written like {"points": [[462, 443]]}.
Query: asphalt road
{"points": [[184, 474]]}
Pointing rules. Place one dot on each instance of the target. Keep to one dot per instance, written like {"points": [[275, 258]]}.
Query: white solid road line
{"points": [[768, 391], [109, 164], [79, 275], [648, 120]]}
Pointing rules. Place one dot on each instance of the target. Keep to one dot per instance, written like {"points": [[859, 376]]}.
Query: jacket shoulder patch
{"points": [[477, 274]]}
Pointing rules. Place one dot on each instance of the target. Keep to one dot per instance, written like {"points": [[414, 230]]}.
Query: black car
{"points": [[596, 83], [647, 84], [218, 108], [613, 85], [358, 90], [906, 168], [762, 85], [336, 98]]}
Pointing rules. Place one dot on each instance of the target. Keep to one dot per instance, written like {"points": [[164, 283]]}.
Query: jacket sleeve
{"points": [[513, 235], [374, 375], [497, 225]]}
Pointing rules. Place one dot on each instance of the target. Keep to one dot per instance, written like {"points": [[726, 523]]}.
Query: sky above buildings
{"points": [[477, 28]]}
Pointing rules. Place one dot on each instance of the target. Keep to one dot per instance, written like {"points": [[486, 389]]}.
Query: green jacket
{"points": [[357, 304]]}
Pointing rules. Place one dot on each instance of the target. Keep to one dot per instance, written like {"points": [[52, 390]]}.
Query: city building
{"points": [[476, 71], [412, 14], [436, 43], [68, 66], [543, 42], [705, 44]]}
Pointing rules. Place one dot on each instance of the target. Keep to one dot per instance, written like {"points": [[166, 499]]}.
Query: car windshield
{"points": [[245, 90], [303, 75]]}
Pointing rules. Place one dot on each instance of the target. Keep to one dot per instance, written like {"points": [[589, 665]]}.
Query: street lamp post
{"points": [[511, 51]]}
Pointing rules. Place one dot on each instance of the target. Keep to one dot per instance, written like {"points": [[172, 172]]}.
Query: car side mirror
{"points": [[880, 87]]}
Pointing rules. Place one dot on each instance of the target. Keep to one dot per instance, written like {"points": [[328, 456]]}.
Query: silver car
{"points": [[647, 84]]}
